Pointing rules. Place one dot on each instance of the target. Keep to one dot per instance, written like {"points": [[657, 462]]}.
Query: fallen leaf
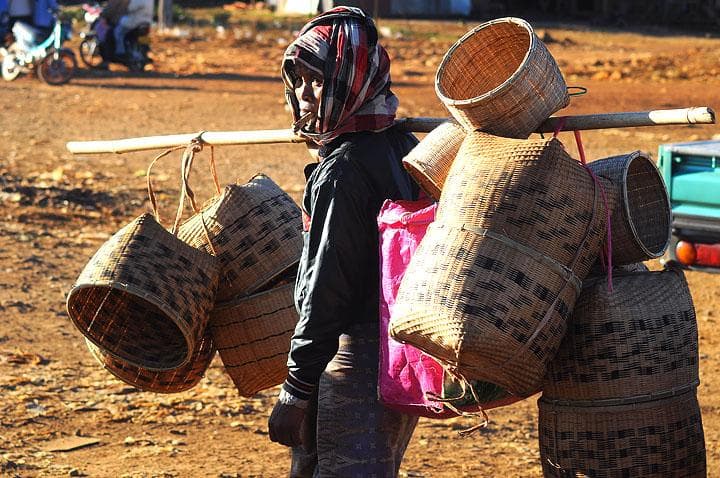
{"points": [[70, 443]]}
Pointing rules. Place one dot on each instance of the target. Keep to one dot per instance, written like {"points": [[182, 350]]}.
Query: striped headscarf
{"points": [[342, 46]]}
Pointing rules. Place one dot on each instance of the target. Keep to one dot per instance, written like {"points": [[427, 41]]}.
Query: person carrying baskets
{"points": [[337, 80]]}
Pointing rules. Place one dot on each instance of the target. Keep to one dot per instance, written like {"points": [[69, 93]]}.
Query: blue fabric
{"points": [[43, 15]]}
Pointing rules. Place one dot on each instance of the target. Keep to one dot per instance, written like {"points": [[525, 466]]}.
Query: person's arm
{"points": [[333, 274], [335, 260]]}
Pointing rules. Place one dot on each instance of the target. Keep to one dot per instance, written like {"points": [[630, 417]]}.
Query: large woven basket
{"points": [[641, 223], [659, 439], [500, 78], [255, 230], [172, 381], [145, 296], [491, 286], [429, 162], [640, 340], [253, 337]]}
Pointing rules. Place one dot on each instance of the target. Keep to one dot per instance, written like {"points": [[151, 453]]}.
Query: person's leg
{"points": [[119, 33], [357, 435]]}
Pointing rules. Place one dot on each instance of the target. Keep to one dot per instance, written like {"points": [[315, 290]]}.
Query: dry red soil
{"points": [[57, 209]]}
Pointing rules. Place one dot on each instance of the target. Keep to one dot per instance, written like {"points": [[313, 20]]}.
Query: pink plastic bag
{"points": [[406, 374]]}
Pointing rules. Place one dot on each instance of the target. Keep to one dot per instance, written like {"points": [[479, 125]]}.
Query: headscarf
{"points": [[342, 46]]}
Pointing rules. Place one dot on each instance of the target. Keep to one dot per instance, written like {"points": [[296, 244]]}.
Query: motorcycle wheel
{"points": [[90, 53], [57, 71], [10, 67]]}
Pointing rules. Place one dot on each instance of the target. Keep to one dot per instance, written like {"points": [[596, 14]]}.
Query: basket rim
{"points": [[425, 178], [234, 302], [672, 396], [629, 158], [616, 402], [495, 91], [258, 284], [98, 355], [136, 291]]}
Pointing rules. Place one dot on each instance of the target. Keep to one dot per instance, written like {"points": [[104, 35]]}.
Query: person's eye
{"points": [[317, 81]]}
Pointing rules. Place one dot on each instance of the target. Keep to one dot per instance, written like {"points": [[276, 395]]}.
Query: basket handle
{"points": [[151, 191], [186, 162]]}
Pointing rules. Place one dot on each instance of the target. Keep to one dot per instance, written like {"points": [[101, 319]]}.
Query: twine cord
{"points": [[151, 192], [213, 170], [446, 402], [195, 146]]}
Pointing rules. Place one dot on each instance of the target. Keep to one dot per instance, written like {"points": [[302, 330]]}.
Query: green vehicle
{"points": [[692, 175]]}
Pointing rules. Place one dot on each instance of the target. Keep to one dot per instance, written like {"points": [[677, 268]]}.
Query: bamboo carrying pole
{"points": [[695, 115]]}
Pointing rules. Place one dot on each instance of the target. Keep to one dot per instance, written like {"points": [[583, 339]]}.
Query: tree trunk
{"points": [[165, 18]]}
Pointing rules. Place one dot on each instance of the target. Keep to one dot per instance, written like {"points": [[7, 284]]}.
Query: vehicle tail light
{"points": [[685, 253], [707, 255]]}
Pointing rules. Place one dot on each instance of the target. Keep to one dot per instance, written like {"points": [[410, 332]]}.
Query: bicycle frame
{"points": [[38, 52]]}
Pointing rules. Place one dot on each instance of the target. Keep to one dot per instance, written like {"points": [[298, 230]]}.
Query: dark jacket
{"points": [[338, 279]]}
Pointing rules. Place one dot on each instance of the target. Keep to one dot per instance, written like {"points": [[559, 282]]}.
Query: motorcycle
{"points": [[34, 49], [97, 47]]}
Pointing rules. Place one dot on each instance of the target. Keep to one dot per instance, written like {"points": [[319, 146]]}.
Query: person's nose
{"points": [[307, 92]]}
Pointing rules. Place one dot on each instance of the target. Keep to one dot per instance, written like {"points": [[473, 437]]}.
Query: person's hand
{"points": [[286, 423]]}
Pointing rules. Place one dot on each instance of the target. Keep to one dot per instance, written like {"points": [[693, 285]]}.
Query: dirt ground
{"points": [[57, 209]]}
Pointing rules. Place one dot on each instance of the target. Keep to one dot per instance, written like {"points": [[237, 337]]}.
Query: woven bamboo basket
{"points": [[145, 296], [500, 78], [256, 233], [641, 223], [640, 340], [253, 336], [172, 381], [491, 286], [659, 439], [429, 162]]}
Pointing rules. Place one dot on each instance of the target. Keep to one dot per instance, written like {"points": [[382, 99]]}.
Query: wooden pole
{"points": [[695, 115]]}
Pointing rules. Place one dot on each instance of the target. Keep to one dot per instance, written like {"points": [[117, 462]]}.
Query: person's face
{"points": [[308, 91]]}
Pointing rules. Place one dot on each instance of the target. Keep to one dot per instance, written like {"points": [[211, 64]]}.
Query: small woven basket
{"points": [[641, 224], [491, 286], [640, 340], [500, 78], [255, 230], [654, 439], [429, 162], [145, 296], [172, 381], [253, 336]]}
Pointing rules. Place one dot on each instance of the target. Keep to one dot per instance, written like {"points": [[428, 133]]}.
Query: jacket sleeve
{"points": [[333, 266]]}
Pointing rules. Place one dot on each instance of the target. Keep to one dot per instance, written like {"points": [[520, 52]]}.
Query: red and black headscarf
{"points": [[342, 46]]}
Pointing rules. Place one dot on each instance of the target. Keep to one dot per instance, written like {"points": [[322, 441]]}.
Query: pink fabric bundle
{"points": [[406, 374]]}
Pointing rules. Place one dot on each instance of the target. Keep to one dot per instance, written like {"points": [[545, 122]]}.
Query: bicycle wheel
{"points": [[90, 53], [10, 68], [57, 67]]}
